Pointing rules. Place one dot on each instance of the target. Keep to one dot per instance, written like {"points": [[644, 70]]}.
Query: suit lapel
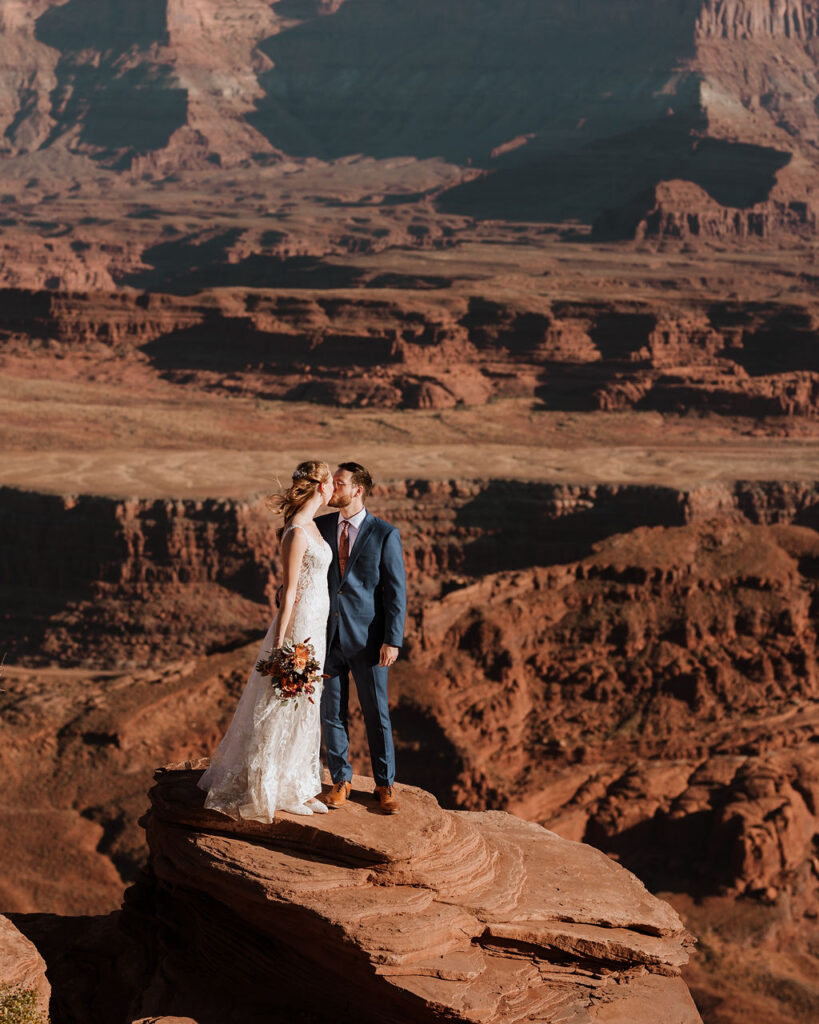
{"points": [[364, 532]]}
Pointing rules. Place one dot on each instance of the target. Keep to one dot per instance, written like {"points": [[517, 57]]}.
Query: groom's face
{"points": [[343, 490]]}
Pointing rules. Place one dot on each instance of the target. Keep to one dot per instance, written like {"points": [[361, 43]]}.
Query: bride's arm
{"points": [[294, 544]]}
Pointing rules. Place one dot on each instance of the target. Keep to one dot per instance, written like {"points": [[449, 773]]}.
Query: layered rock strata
{"points": [[192, 575], [431, 351], [685, 211], [655, 697], [753, 19], [178, 103], [428, 916]]}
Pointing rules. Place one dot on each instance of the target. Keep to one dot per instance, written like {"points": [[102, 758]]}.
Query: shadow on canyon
{"points": [[658, 851], [88, 573], [445, 89], [85, 956], [100, 967], [233, 345], [39, 564], [120, 108], [68, 571], [526, 524], [458, 80], [184, 268], [570, 110], [586, 184]]}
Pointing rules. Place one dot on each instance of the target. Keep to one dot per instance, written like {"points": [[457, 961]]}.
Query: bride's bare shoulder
{"points": [[302, 537], [294, 535]]}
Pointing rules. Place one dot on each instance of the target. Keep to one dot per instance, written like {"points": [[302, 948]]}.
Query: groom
{"points": [[368, 605]]}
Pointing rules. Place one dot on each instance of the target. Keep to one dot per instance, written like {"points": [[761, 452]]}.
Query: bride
{"points": [[268, 759]]}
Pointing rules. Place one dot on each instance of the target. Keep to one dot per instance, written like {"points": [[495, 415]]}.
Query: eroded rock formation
{"points": [[677, 662], [102, 582], [753, 19], [684, 210], [419, 350], [178, 111], [430, 915], [21, 966], [637, 659]]}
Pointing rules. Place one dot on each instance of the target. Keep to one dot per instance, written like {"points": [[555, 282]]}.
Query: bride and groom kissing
{"points": [[344, 590]]}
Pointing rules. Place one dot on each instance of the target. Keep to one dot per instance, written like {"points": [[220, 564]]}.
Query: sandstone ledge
{"points": [[430, 915]]}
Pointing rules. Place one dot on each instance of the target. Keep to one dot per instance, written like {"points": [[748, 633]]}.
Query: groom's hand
{"points": [[388, 655]]}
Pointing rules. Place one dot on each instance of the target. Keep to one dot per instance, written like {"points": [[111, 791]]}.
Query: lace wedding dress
{"points": [[268, 759]]}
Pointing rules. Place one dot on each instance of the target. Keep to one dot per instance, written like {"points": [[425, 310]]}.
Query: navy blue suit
{"points": [[368, 607]]}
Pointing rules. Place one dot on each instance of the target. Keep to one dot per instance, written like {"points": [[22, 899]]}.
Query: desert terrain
{"points": [[550, 271]]}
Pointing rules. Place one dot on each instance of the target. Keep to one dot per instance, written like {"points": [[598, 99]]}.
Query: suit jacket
{"points": [[368, 605]]}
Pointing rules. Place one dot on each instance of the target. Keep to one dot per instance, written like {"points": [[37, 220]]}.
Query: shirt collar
{"points": [[354, 521]]}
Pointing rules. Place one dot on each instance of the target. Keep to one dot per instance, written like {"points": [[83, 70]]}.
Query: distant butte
{"points": [[395, 139]]}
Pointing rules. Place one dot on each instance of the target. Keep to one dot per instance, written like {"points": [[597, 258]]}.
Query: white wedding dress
{"points": [[268, 759]]}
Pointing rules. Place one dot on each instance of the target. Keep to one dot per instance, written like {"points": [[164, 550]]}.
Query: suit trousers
{"points": [[371, 685]]}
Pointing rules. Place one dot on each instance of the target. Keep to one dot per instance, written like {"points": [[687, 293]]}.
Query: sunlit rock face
{"points": [[758, 19], [429, 916], [326, 79]]}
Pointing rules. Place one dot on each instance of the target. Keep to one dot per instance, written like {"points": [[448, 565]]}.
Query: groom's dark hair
{"points": [[360, 476]]}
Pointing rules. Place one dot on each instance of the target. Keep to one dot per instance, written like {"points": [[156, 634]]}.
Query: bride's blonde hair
{"points": [[307, 478]]}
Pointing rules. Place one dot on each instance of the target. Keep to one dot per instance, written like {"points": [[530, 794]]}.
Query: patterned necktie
{"points": [[344, 546]]}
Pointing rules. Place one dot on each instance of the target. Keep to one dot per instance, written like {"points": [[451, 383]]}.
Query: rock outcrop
{"points": [[428, 916], [655, 698], [435, 350], [653, 695], [755, 19], [589, 693], [683, 210], [21, 966]]}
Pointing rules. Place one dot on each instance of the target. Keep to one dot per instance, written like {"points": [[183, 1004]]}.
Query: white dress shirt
{"points": [[355, 525]]}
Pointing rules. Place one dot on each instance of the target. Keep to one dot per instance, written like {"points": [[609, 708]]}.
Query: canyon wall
{"points": [[77, 68], [82, 72], [99, 581], [134, 101], [422, 350], [96, 581], [657, 626], [755, 19]]}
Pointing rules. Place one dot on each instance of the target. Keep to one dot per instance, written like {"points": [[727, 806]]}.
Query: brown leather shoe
{"points": [[338, 795], [386, 798]]}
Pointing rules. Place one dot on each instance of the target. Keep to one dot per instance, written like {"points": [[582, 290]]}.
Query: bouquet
{"points": [[293, 670]]}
